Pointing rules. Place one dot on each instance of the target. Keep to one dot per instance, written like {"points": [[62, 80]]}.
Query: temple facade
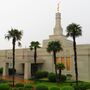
{"points": [[24, 61]]}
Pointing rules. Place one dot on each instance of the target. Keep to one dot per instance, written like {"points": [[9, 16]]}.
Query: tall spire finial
{"points": [[58, 7], [58, 29], [58, 4]]}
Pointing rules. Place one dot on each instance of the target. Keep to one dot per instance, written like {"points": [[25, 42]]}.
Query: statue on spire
{"points": [[58, 4]]}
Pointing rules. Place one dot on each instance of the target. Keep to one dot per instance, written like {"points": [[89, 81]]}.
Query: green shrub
{"points": [[62, 78], [20, 88], [45, 73], [52, 77], [54, 88], [67, 88], [87, 85], [41, 74], [19, 85], [68, 76], [4, 87], [28, 86], [41, 87], [81, 86]]}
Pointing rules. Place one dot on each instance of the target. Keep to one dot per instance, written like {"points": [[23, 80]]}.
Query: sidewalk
{"points": [[17, 79]]}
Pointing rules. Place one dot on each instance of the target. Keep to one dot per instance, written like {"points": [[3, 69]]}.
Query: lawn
{"points": [[60, 84], [50, 84], [45, 82]]}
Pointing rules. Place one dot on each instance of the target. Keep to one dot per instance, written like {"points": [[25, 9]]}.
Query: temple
{"points": [[24, 62]]}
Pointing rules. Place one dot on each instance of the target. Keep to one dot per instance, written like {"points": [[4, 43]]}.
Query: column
{"points": [[27, 70], [5, 69], [19, 68]]}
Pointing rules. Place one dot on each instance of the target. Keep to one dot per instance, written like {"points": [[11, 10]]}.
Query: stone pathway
{"points": [[17, 79]]}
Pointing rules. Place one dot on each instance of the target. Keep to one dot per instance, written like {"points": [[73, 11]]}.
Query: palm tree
{"points": [[60, 67], [34, 45], [16, 36], [54, 46], [74, 30]]}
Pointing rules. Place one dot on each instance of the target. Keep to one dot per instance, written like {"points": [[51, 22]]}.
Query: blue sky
{"points": [[37, 19]]}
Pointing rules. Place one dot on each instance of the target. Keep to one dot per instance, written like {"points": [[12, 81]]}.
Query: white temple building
{"points": [[24, 61]]}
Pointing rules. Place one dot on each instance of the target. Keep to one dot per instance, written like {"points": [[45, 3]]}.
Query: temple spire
{"points": [[58, 29], [58, 6]]}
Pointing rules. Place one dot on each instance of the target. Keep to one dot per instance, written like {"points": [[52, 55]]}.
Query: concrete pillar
{"points": [[19, 68], [5, 69], [27, 70]]}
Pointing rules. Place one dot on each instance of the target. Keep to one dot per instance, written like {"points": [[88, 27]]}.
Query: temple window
{"points": [[58, 60], [63, 60], [68, 63]]}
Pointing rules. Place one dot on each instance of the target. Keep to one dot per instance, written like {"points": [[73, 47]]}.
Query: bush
{"points": [[62, 78], [45, 73], [29, 86], [4, 87], [41, 87], [68, 76], [19, 85], [55, 88], [19, 88], [41, 74], [81, 86], [87, 85], [67, 88], [52, 77]]}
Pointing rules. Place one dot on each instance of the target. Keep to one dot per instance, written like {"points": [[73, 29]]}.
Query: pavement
{"points": [[18, 79]]}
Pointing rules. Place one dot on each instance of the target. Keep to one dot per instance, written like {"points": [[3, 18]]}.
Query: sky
{"points": [[36, 18]]}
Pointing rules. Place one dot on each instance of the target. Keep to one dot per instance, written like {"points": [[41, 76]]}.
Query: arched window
{"points": [[63, 60], [58, 60], [68, 63]]}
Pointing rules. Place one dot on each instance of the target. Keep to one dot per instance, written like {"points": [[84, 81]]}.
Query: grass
{"points": [[45, 81], [50, 84]]}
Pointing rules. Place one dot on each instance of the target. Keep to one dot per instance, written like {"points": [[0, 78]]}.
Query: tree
{"points": [[16, 36], [74, 30], [60, 67], [34, 45], [54, 46]]}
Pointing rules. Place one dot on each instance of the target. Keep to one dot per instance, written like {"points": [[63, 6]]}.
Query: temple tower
{"points": [[58, 29]]}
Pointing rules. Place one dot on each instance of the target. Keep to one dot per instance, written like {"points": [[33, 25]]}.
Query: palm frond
{"points": [[31, 48], [7, 37], [19, 44], [74, 30], [14, 34], [34, 44], [60, 66], [54, 46]]}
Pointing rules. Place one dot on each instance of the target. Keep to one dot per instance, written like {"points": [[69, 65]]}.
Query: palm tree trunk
{"points": [[59, 74], [35, 58], [35, 55], [54, 55], [13, 61], [75, 59]]}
